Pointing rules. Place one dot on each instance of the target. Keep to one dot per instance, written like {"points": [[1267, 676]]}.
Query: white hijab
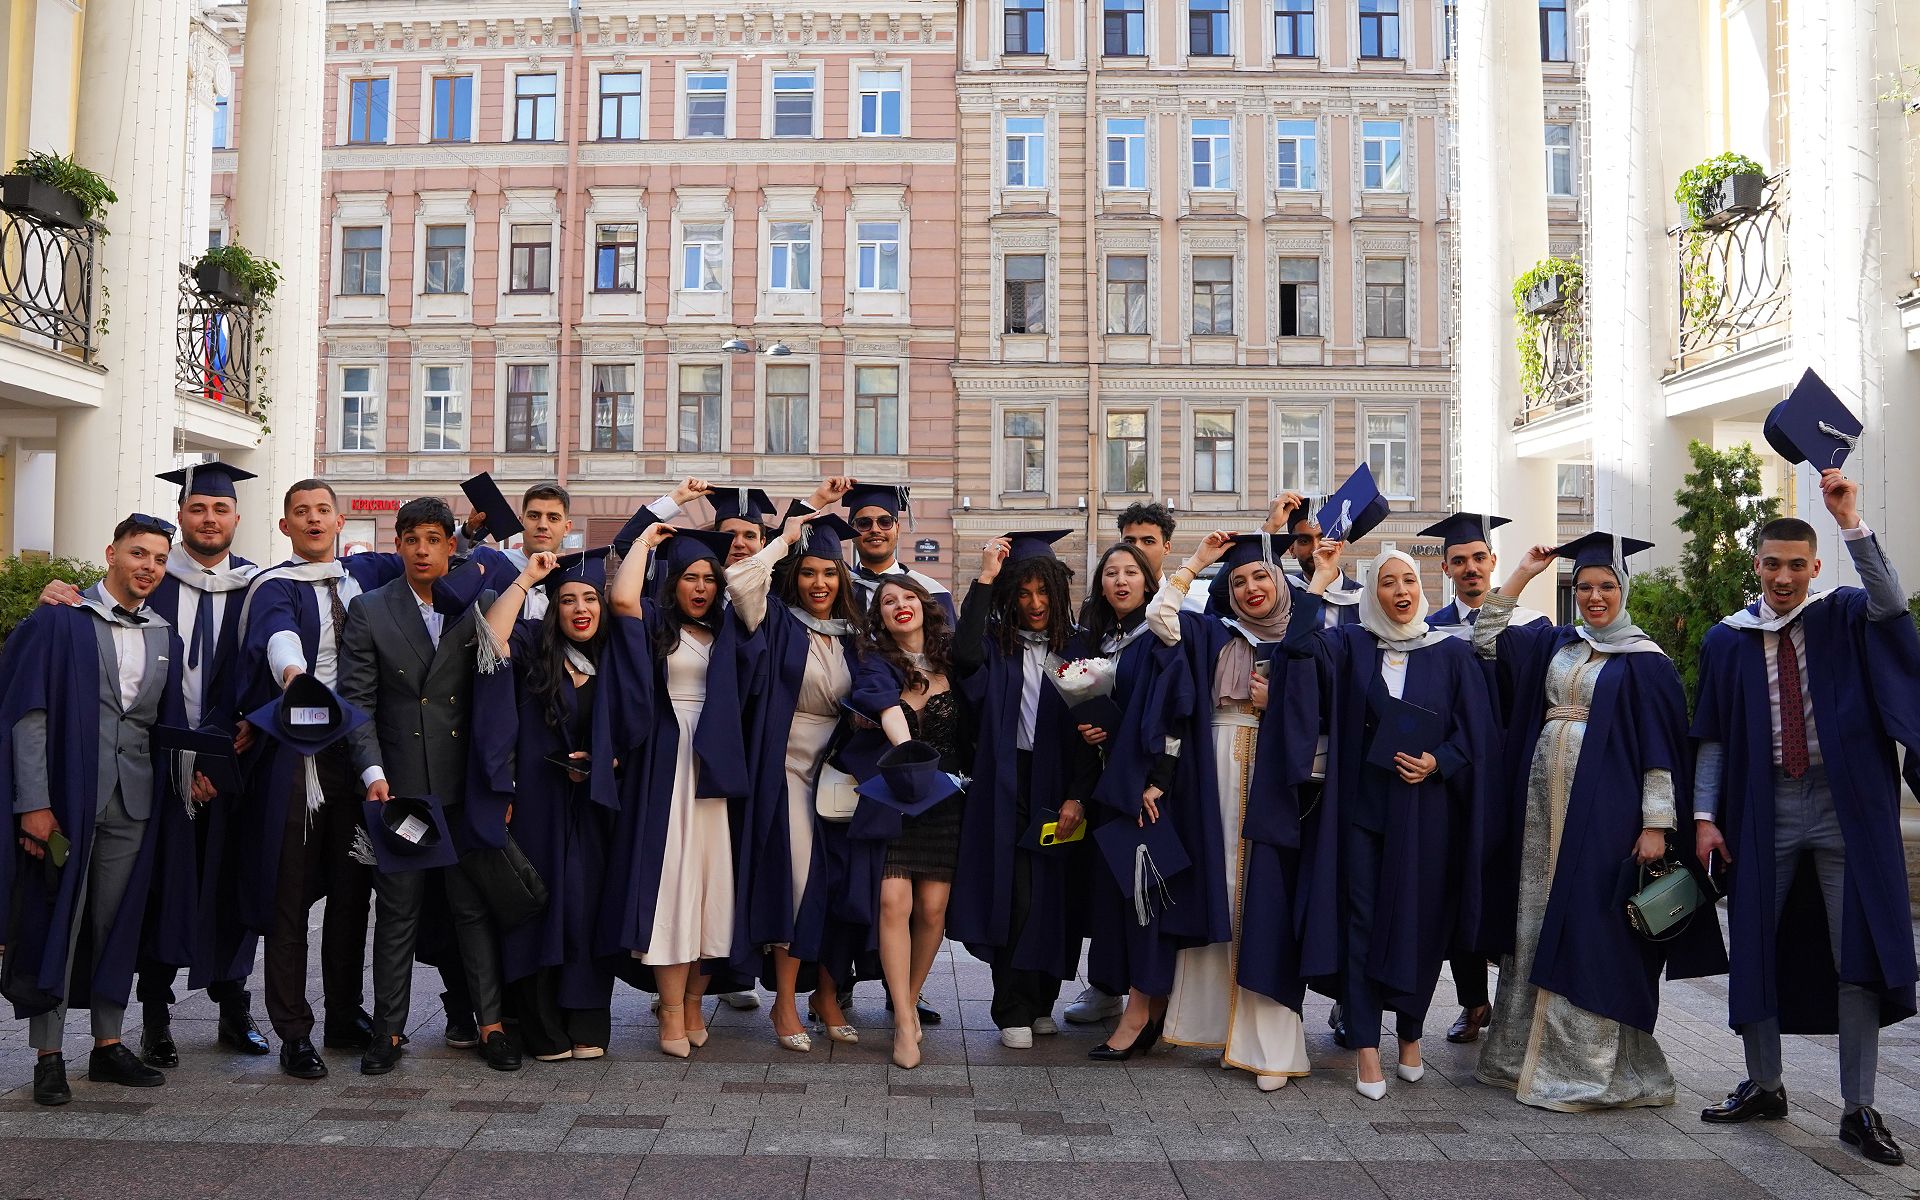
{"points": [[1622, 636], [1413, 635]]}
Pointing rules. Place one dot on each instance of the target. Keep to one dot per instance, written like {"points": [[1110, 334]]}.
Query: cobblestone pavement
{"points": [[745, 1118]]}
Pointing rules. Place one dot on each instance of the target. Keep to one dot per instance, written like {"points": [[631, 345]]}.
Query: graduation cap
{"points": [[637, 524], [741, 504], [1142, 859], [212, 751], [307, 716], [910, 779], [1599, 549], [207, 479], [689, 546], [890, 496], [408, 833], [1812, 425], [1461, 528], [1299, 516], [1352, 511], [485, 495], [1033, 543], [582, 566], [1246, 548], [826, 536]]}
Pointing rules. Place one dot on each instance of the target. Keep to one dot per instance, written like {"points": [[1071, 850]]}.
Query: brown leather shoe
{"points": [[1471, 1022]]}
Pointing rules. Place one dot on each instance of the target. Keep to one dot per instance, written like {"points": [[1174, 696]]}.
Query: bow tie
{"points": [[862, 571], [128, 615]]}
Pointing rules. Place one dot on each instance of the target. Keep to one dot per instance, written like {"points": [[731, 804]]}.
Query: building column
{"points": [[209, 76], [133, 106], [276, 215]]}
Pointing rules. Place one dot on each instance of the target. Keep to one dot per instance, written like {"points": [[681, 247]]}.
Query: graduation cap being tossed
{"points": [[1813, 426], [407, 833], [307, 716], [910, 779], [213, 479], [1601, 549], [1353, 510], [485, 495], [740, 504], [1461, 528]]}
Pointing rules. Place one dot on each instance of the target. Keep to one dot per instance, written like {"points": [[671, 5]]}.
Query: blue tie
{"points": [[202, 622]]}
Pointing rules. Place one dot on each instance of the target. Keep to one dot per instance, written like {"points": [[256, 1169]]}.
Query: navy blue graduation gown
{"points": [[1864, 678], [1637, 723], [1433, 843]]}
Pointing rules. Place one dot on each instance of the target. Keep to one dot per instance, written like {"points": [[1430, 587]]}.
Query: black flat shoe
{"points": [[156, 1046], [498, 1052], [1745, 1103], [1141, 1046], [117, 1064], [382, 1056], [1467, 1028], [1337, 1021], [1863, 1128], [462, 1033], [50, 1080], [348, 1033], [238, 1031], [928, 1014], [299, 1059]]}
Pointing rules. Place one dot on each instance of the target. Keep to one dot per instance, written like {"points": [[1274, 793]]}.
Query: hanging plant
{"points": [[1702, 193], [57, 189], [1547, 293], [235, 275]]}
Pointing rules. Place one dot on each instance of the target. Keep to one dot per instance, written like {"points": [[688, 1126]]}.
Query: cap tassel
{"points": [[1147, 881], [1850, 440], [905, 508], [489, 653], [362, 849]]}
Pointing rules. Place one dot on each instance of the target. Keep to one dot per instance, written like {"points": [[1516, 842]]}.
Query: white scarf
{"points": [[191, 574], [1768, 621], [1621, 636], [304, 572], [581, 664], [1391, 634], [836, 627]]}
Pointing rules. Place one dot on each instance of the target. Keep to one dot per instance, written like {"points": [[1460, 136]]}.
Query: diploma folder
{"points": [[1403, 728]]}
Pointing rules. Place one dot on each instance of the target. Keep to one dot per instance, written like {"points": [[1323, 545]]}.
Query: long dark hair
{"points": [[1097, 616], [1052, 574], [547, 677], [936, 634], [666, 638], [786, 587]]}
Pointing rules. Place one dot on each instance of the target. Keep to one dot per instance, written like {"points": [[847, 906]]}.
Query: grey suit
{"points": [[419, 698]]}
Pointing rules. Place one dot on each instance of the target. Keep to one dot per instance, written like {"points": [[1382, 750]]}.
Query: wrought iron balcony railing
{"points": [[1562, 346], [46, 281], [213, 355], [1734, 284]]}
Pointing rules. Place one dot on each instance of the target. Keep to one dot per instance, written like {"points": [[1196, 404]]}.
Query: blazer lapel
{"points": [[109, 662], [154, 639], [406, 614]]}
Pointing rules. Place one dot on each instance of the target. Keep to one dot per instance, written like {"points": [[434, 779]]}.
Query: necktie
{"points": [[128, 616], [1793, 722], [336, 611], [202, 626]]}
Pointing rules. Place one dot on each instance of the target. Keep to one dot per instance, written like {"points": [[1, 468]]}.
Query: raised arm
{"points": [[1163, 611], [970, 635], [630, 583], [505, 611], [751, 579]]}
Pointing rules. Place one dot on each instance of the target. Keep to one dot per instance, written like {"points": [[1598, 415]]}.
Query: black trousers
{"points": [[399, 899], [1361, 1003], [1020, 997], [1469, 979], [154, 990], [546, 1027], [314, 862]]}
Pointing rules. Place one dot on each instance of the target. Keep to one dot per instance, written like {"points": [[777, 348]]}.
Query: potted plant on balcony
{"points": [[55, 189], [234, 275], [1721, 190], [1544, 295]]}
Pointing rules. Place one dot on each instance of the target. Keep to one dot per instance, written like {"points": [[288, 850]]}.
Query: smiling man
{"points": [[875, 513]]}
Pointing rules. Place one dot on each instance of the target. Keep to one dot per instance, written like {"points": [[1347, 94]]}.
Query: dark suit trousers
{"points": [[398, 899], [155, 986], [1021, 997], [314, 863]]}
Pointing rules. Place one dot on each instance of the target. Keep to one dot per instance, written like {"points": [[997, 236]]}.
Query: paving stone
{"points": [[1632, 1180], [1276, 1181], [1080, 1180], [701, 1141], [868, 1179]]}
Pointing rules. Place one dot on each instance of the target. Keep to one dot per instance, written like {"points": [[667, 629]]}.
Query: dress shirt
{"points": [[1033, 670], [129, 650], [433, 620], [193, 678], [284, 649], [1393, 671]]}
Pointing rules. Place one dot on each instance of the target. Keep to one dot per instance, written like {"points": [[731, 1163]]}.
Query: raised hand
{"points": [[1326, 562], [1534, 561], [831, 491], [1209, 551], [656, 535], [993, 556], [1842, 496], [540, 564], [790, 530], [688, 489]]}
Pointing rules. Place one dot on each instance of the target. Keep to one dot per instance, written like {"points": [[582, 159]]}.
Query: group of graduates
{"points": [[707, 757]]}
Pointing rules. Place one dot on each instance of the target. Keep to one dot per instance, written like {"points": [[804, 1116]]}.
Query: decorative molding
{"points": [[871, 151]]}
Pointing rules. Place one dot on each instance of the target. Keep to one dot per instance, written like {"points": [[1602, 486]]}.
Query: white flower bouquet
{"points": [[1086, 684]]}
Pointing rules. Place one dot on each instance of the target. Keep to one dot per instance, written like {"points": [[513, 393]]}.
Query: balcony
{"points": [[46, 283], [1562, 346], [1734, 283], [213, 353]]}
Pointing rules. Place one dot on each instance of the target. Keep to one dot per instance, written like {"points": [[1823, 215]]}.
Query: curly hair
{"points": [[936, 634], [1051, 574], [666, 638], [786, 589], [1096, 615], [547, 677]]}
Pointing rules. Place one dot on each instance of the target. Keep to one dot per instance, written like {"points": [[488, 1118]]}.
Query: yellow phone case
{"points": [[1049, 831]]}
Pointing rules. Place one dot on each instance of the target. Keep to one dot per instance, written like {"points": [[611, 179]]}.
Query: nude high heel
{"points": [[679, 1047], [696, 1037]]}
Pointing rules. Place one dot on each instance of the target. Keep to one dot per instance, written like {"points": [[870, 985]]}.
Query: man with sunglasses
{"points": [[875, 510]]}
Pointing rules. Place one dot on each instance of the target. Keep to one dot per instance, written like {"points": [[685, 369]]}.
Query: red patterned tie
{"points": [[1793, 721]]}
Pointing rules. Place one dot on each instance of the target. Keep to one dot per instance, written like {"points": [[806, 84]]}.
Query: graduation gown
{"points": [[1864, 679]]}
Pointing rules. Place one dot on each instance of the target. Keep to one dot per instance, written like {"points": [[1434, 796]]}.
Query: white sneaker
{"points": [[744, 1001], [1044, 1027], [1017, 1037], [1092, 1006]]}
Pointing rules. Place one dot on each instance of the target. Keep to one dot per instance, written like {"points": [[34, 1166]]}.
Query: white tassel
{"points": [[490, 653], [362, 849], [1147, 881], [315, 796]]}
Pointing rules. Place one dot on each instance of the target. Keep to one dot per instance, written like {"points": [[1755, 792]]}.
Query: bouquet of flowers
{"points": [[1086, 684]]}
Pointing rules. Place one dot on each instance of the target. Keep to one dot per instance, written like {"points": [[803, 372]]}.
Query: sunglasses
{"points": [[166, 527], [863, 524]]}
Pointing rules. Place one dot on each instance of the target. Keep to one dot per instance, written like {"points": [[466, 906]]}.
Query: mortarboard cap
{"points": [[1353, 511], [826, 536], [1597, 549], [910, 779], [689, 546], [206, 479], [307, 716], [890, 496], [1300, 516], [485, 495], [212, 750], [1141, 855], [408, 833], [740, 503], [1246, 548], [582, 566], [1812, 425], [1464, 527], [1033, 543]]}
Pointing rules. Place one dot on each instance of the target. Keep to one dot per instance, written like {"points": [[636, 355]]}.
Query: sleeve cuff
{"points": [[370, 775], [1699, 815], [1858, 533], [666, 508]]}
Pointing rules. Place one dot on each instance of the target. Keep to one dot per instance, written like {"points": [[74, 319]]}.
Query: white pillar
{"points": [[209, 76], [1503, 233], [276, 214], [133, 105]]}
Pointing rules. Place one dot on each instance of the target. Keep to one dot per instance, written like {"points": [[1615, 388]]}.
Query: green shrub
{"points": [[21, 580], [62, 172]]}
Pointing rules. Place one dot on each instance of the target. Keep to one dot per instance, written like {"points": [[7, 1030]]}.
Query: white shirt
{"points": [[193, 678], [129, 649], [1393, 671], [432, 619], [1033, 671], [284, 650], [1797, 635]]}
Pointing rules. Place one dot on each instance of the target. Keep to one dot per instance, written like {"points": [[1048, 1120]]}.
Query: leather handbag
{"points": [[1664, 904], [512, 889], [834, 797]]}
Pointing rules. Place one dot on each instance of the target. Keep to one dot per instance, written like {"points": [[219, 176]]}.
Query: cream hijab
{"points": [[1415, 634]]}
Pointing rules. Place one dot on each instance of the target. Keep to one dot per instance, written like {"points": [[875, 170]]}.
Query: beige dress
{"points": [[693, 911]]}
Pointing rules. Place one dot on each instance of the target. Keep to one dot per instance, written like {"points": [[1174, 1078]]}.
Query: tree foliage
{"points": [[22, 578]]}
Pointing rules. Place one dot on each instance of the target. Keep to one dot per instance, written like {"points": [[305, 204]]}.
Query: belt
{"points": [[1568, 712], [1233, 718]]}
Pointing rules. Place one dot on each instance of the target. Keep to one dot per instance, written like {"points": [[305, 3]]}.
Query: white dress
{"points": [[815, 716], [693, 911]]}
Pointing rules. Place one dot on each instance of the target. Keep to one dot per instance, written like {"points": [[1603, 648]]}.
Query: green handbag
{"points": [[1665, 903]]}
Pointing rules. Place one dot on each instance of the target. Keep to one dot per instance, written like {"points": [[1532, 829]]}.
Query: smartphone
{"points": [[58, 847], [1263, 667], [1050, 834]]}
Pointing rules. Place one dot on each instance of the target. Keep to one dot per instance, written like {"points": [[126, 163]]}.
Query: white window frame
{"points": [[687, 245], [452, 392], [1409, 444], [1149, 446], [856, 119], [783, 282], [1006, 483], [1282, 442], [1219, 158], [683, 127], [863, 243], [1306, 154], [1032, 159], [1133, 159], [773, 90], [1392, 170], [369, 398], [899, 447], [1563, 153]]}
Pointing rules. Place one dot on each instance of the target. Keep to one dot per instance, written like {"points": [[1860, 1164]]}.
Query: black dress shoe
{"points": [[381, 1055], [1471, 1021], [50, 1080], [1142, 1045], [117, 1064], [353, 1032], [238, 1031], [499, 1053], [156, 1046], [1337, 1021], [462, 1032], [1746, 1102], [299, 1059], [928, 1014], [1863, 1128]]}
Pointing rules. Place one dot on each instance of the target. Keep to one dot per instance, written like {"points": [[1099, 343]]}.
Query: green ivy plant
{"points": [[1697, 183], [1699, 293], [62, 172], [1533, 365], [261, 276]]}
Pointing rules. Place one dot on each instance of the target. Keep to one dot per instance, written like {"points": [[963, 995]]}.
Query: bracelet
{"points": [[1178, 571], [523, 587]]}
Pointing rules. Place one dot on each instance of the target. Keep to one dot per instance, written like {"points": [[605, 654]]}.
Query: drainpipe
{"points": [[572, 218]]}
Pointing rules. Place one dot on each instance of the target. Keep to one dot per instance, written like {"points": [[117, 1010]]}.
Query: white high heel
{"points": [[795, 1041], [1372, 1091], [1410, 1074], [1270, 1083]]}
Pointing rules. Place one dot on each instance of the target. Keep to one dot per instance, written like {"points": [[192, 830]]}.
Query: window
{"points": [[793, 104], [1380, 169], [1208, 32], [706, 104], [1379, 28], [699, 411], [1299, 297], [222, 122], [1212, 296], [443, 423], [446, 259], [360, 261], [216, 238], [879, 104], [453, 108], [1213, 451], [367, 112], [1126, 293], [702, 258], [1387, 297], [877, 266], [1553, 30], [534, 101], [1023, 442], [612, 407], [1025, 26], [790, 256], [1573, 480], [1026, 293], [616, 258], [876, 410], [620, 98], [1300, 438], [1559, 160], [1212, 142], [1127, 153], [1126, 452], [531, 258], [1387, 451], [527, 408], [1296, 154], [789, 397], [1125, 24], [1450, 28], [359, 410], [1026, 152], [1293, 28]]}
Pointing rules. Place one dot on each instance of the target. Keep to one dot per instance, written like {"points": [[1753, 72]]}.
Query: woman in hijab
{"points": [[1243, 996], [1409, 732], [1597, 747]]}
